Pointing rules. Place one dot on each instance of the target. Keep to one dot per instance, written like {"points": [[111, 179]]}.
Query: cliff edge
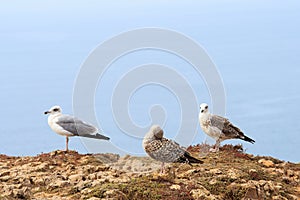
{"points": [[228, 174]]}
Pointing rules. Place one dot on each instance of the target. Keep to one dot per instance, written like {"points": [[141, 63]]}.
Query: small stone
{"points": [[201, 193], [93, 198], [126, 157], [266, 163], [280, 171], [110, 192], [187, 173], [58, 184], [266, 187], [298, 189], [293, 197], [232, 175], [38, 180], [290, 173], [92, 177], [41, 167], [213, 182], [23, 193], [51, 167], [75, 178], [215, 171], [279, 198], [5, 173], [262, 182], [5, 178], [252, 191], [175, 187], [53, 153], [82, 185], [98, 182], [278, 187]]}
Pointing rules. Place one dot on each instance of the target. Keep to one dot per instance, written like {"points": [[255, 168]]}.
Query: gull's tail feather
{"points": [[247, 139], [96, 136], [190, 159]]}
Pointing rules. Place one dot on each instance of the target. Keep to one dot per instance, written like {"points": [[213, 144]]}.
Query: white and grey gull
{"points": [[219, 128], [67, 125]]}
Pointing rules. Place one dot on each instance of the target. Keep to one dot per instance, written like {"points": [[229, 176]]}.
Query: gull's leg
{"points": [[218, 145], [162, 170], [67, 141], [215, 147]]}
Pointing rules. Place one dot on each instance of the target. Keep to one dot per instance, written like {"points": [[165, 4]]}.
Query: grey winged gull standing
{"points": [[68, 126], [165, 150], [219, 128]]}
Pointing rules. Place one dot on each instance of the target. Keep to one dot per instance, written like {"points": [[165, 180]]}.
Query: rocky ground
{"points": [[228, 174]]}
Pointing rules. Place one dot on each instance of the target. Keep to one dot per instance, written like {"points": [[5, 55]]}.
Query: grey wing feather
{"points": [[76, 126], [218, 121], [228, 129]]}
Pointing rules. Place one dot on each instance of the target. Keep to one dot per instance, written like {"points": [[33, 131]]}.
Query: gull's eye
{"points": [[55, 109], [206, 107]]}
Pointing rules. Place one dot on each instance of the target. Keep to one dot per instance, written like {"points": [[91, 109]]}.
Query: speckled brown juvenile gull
{"points": [[219, 128], [165, 150]]}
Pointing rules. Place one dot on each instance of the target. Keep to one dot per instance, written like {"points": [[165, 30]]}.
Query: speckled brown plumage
{"points": [[165, 150]]}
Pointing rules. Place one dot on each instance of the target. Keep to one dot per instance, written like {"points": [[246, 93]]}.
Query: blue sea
{"points": [[253, 47]]}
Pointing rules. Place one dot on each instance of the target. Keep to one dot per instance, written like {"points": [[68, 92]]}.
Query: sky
{"points": [[254, 44]]}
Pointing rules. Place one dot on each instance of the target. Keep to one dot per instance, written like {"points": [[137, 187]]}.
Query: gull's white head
{"points": [[53, 110], [203, 108]]}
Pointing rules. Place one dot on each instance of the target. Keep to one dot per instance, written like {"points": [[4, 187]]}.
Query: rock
{"points": [[99, 182], [82, 185], [269, 186], [293, 197], [290, 173], [75, 178], [7, 190], [253, 173], [5, 178], [23, 193], [266, 163], [59, 184], [113, 193], [201, 193], [279, 197], [232, 174], [93, 198], [188, 173], [252, 193], [212, 182], [215, 171], [38, 180], [92, 177], [41, 167], [278, 187], [175, 187], [262, 182], [5, 173], [298, 189]]}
